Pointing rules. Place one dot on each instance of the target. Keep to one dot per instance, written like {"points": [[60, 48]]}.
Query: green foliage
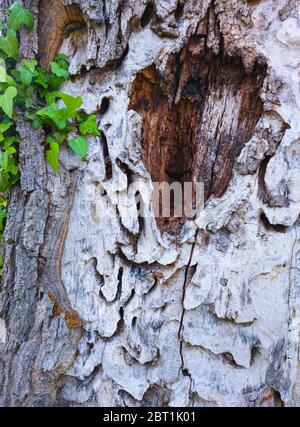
{"points": [[89, 126], [9, 45], [19, 16], [79, 146], [33, 93], [52, 153], [6, 100], [59, 70]]}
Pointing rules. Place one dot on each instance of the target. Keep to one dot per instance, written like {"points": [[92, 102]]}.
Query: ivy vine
{"points": [[30, 92]]}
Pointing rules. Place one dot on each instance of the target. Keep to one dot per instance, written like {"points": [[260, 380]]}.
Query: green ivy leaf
{"points": [[26, 76], [59, 138], [41, 78], [54, 113], [36, 123], [8, 142], [10, 81], [62, 56], [58, 70], [3, 73], [10, 44], [89, 126], [5, 126], [11, 150], [79, 146], [71, 102], [51, 97], [3, 161], [54, 82], [2, 218], [19, 16], [7, 161], [6, 100], [62, 61], [52, 155], [24, 97], [30, 65], [81, 116], [14, 43]]}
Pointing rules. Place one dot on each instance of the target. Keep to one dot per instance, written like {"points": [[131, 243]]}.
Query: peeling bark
{"points": [[119, 310]]}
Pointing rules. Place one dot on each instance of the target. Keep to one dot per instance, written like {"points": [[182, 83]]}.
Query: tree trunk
{"points": [[103, 308]]}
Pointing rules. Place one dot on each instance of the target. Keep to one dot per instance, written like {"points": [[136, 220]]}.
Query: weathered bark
{"points": [[115, 310]]}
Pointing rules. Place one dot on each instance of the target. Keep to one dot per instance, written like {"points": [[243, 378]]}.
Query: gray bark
{"points": [[111, 310]]}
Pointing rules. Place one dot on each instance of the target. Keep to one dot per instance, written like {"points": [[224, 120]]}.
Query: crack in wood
{"points": [[180, 330]]}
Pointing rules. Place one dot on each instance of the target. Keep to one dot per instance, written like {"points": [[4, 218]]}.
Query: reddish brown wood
{"points": [[55, 20], [197, 116]]}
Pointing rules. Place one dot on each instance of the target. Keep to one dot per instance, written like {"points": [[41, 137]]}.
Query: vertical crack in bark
{"points": [[106, 20], [147, 14], [106, 157], [181, 326], [290, 308]]}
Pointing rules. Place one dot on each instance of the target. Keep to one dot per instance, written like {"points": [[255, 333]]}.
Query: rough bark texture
{"points": [[120, 311]]}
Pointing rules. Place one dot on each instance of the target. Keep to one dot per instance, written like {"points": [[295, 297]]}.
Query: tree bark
{"points": [[115, 310]]}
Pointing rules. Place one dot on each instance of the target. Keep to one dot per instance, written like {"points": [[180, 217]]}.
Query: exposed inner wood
{"points": [[196, 117], [56, 20], [253, 2]]}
